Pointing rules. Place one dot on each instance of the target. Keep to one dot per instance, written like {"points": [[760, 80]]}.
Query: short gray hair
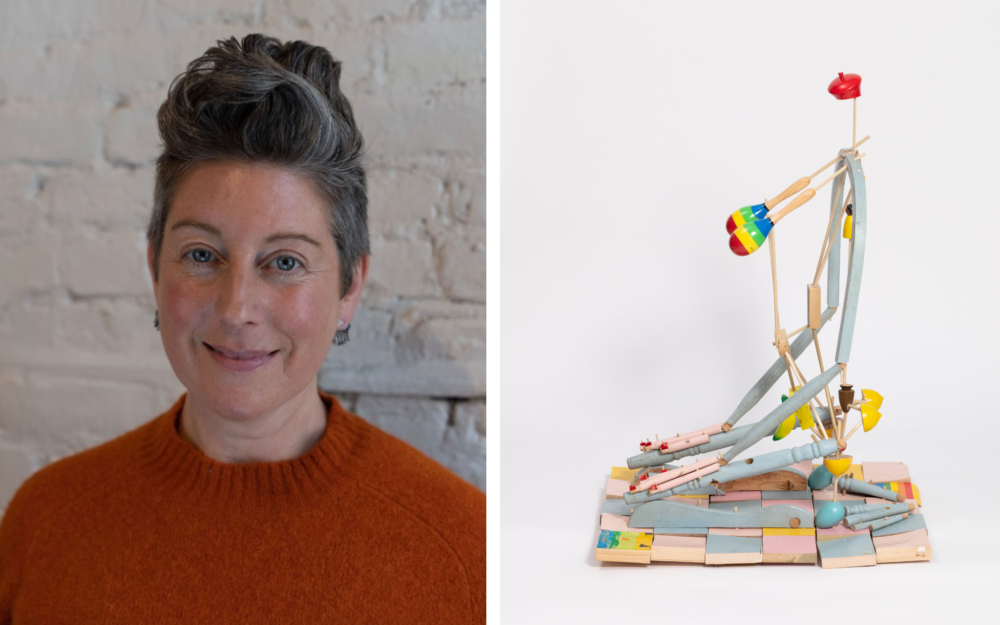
{"points": [[261, 100]]}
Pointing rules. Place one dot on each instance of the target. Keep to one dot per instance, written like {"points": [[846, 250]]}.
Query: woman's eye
{"points": [[199, 255], [286, 263]]}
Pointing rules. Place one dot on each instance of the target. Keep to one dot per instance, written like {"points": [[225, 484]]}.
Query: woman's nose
{"points": [[239, 301]]}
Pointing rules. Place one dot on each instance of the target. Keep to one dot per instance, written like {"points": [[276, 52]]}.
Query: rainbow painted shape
{"points": [[748, 238], [747, 214]]}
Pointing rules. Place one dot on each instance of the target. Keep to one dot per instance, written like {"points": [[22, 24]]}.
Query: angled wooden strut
{"points": [[775, 372], [782, 412], [673, 514]]}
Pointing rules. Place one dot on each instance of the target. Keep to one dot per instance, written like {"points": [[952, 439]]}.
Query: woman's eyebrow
{"points": [[200, 225]]}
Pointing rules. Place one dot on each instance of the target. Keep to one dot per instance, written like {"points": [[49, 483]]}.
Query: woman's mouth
{"points": [[239, 361]]}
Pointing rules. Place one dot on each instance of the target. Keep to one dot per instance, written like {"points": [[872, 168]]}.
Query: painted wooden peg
{"points": [[673, 474], [757, 465], [870, 490], [846, 397], [877, 524], [859, 508], [871, 515], [673, 514]]}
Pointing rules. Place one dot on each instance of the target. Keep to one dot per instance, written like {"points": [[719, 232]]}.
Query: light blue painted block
{"points": [[617, 506], [856, 260], [786, 494], [717, 543], [846, 547], [833, 260], [727, 506], [911, 523], [674, 514]]}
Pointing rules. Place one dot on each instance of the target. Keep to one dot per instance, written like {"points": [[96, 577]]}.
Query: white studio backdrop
{"points": [[630, 132]]}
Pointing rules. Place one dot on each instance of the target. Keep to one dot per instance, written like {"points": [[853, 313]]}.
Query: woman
{"points": [[256, 498]]}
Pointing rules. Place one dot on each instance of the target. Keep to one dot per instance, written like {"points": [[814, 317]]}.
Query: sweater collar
{"points": [[180, 467]]}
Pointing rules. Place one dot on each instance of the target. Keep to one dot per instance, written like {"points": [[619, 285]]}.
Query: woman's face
{"points": [[249, 286]]}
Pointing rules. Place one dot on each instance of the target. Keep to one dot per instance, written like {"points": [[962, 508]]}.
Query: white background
{"points": [[630, 131]]}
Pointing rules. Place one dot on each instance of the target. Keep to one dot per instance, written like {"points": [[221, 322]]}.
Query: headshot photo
{"points": [[243, 312]]}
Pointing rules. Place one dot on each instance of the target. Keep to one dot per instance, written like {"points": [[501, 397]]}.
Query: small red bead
{"points": [[631, 486]]}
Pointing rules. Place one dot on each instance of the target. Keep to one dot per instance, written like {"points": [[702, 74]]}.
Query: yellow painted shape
{"points": [[848, 226], [748, 242], [876, 399], [854, 472], [869, 416], [804, 414], [838, 466], [787, 531], [786, 426], [623, 473]]}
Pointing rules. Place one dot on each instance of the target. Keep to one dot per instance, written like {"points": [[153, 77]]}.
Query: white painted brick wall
{"points": [[80, 82]]}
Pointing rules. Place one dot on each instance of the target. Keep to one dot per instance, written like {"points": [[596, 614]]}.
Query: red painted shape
{"points": [[845, 86], [730, 225], [737, 246]]}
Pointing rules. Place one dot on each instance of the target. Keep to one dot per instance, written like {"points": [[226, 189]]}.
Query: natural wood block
{"points": [[668, 548], [732, 550], [848, 552], [616, 489], [742, 495], [775, 480], [789, 549], [619, 523], [814, 307], [805, 504], [912, 546], [749, 532], [886, 472]]}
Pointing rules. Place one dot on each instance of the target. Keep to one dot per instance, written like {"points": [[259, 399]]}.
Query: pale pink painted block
{"points": [[616, 489], [880, 500], [805, 504], [805, 467], [838, 530], [789, 544], [688, 472], [679, 542], [739, 495], [749, 532], [878, 472], [619, 523]]}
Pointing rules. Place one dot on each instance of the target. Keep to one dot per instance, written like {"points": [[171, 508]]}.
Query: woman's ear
{"points": [[349, 303], [149, 263]]}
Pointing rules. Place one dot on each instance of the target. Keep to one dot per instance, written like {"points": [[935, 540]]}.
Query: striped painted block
{"points": [[907, 488]]}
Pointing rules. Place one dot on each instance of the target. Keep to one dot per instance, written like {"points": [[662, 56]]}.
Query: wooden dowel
{"points": [[854, 130], [803, 378], [827, 240], [828, 243], [853, 431], [815, 440], [824, 167], [791, 334], [826, 389], [774, 278]]}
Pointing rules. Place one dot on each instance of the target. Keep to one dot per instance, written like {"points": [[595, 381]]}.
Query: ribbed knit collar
{"points": [[182, 469]]}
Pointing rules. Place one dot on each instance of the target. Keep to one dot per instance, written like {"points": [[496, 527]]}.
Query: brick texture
{"points": [[80, 82]]}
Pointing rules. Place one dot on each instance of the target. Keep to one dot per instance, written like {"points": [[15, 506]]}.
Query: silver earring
{"points": [[342, 335], [156, 320]]}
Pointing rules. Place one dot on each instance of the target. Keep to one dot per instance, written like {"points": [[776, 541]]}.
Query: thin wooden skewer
{"points": [[823, 168], [826, 389], [789, 364], [854, 131], [853, 431], [802, 378], [774, 279], [807, 195], [827, 243], [791, 334]]}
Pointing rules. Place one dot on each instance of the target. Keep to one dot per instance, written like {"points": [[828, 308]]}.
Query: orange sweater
{"points": [[147, 529]]}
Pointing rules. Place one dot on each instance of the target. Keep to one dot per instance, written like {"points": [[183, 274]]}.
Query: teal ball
{"points": [[820, 478], [830, 514]]}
